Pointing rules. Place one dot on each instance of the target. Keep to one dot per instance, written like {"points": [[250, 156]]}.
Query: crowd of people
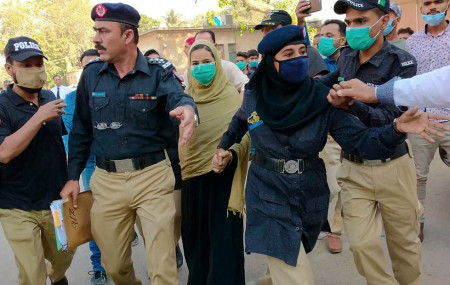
{"points": [[294, 141]]}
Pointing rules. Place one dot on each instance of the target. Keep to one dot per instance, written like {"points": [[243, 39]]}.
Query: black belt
{"points": [[282, 165], [130, 164], [400, 151]]}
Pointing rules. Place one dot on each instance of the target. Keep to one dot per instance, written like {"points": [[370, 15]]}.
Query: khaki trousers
{"points": [[331, 155], [424, 152], [391, 186], [177, 218], [285, 274], [119, 198], [31, 236]]}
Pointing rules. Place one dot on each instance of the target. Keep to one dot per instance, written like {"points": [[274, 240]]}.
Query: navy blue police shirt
{"points": [[139, 103], [284, 208], [33, 179], [389, 62]]}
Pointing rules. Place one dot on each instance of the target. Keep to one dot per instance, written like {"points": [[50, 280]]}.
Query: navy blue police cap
{"points": [[274, 18], [21, 48], [116, 12], [280, 37], [340, 7]]}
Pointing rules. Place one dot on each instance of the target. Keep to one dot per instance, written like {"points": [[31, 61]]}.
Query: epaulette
{"points": [[164, 63], [95, 60]]}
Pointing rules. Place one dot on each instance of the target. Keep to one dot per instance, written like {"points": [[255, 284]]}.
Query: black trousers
{"points": [[212, 236]]}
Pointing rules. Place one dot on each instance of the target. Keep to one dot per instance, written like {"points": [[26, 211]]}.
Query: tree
{"points": [[62, 28], [250, 12], [146, 23], [172, 19]]}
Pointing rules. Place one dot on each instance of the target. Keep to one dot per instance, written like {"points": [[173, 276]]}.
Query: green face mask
{"points": [[326, 47], [204, 73], [241, 65], [359, 38]]}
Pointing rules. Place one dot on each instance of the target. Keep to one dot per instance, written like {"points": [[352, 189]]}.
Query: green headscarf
{"points": [[216, 103]]}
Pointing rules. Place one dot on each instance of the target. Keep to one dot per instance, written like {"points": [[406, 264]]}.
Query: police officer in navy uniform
{"points": [[288, 118], [381, 185], [122, 115]]}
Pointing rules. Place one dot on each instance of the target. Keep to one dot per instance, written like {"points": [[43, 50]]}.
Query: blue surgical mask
{"points": [[358, 38], [389, 28], [253, 63], [204, 73], [294, 70], [326, 46], [434, 20]]}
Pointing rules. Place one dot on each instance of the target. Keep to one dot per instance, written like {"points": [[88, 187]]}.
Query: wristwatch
{"points": [[196, 120], [394, 126]]}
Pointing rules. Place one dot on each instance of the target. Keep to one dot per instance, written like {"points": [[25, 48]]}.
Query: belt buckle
{"points": [[372, 162], [124, 165], [291, 166]]}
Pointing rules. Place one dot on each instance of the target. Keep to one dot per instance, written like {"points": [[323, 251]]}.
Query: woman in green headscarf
{"points": [[212, 204]]}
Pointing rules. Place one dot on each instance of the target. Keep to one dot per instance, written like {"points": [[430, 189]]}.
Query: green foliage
{"points": [[146, 23], [311, 33], [248, 12], [172, 19], [51, 24]]}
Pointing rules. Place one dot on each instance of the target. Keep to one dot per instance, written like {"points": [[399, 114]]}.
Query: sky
{"points": [[158, 8], [189, 9]]}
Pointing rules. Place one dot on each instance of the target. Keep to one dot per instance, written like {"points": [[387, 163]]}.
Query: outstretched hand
{"points": [[186, 115], [414, 122]]}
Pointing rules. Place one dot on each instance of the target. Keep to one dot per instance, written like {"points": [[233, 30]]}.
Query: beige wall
{"points": [[411, 15], [170, 42]]}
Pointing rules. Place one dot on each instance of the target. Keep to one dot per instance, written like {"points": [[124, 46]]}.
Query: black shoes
{"points": [[61, 282], [179, 256], [421, 236]]}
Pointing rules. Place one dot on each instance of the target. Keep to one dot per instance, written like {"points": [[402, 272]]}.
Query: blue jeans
{"points": [[96, 255]]}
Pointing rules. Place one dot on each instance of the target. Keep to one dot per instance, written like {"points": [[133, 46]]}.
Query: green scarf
{"points": [[216, 103]]}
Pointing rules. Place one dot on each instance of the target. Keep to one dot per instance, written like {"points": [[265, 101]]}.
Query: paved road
{"points": [[328, 269]]}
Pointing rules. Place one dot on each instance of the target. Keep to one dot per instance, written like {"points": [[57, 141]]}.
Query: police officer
{"points": [[121, 115], [288, 118], [389, 183], [33, 165]]}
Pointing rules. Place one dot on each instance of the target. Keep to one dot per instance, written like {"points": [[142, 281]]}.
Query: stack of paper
{"points": [[58, 219]]}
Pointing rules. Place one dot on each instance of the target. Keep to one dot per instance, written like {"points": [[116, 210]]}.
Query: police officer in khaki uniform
{"points": [[386, 186], [122, 115], [33, 165]]}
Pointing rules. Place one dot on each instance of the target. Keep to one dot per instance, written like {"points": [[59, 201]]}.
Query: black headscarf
{"points": [[285, 106]]}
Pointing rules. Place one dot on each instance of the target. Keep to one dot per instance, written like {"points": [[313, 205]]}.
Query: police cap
{"points": [[340, 7], [274, 18], [395, 8], [116, 12], [280, 37], [21, 48]]}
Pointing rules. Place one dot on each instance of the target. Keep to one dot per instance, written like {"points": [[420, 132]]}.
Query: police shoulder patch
{"points": [[405, 59], [164, 63]]}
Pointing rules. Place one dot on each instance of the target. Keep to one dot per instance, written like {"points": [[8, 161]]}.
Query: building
{"points": [[169, 42]]}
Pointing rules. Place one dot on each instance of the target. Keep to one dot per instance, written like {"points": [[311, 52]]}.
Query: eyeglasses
{"points": [[104, 126]]}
